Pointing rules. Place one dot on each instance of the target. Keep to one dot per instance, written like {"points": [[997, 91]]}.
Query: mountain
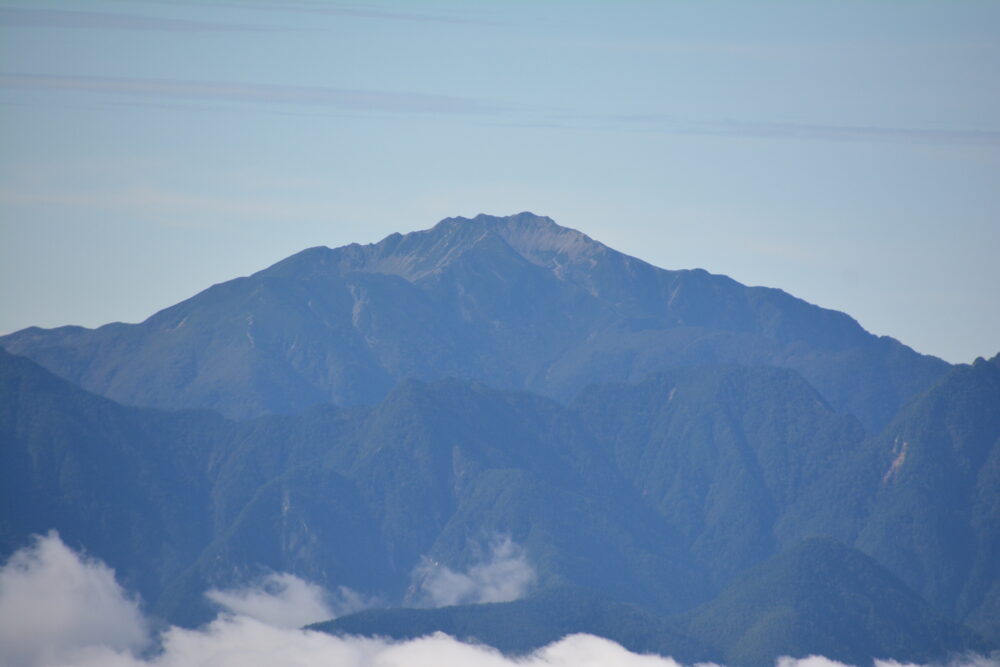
{"points": [[822, 598], [686, 491], [817, 598], [516, 302], [936, 474], [129, 484], [182, 502], [523, 626], [740, 461], [671, 459]]}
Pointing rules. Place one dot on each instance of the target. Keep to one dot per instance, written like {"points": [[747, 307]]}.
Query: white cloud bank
{"points": [[283, 600], [506, 575], [52, 600], [58, 609], [967, 660]]}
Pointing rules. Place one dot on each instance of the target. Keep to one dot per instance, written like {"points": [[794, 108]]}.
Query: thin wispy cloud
{"points": [[817, 132], [792, 131], [17, 17], [166, 93], [327, 9], [251, 93]]}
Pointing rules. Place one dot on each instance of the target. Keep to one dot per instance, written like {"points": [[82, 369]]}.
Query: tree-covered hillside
{"points": [[679, 496]]}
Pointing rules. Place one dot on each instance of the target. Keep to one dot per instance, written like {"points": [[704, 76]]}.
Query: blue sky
{"points": [[847, 152]]}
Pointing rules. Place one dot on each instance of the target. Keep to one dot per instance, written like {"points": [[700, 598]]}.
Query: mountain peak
{"points": [[536, 238], [415, 255]]}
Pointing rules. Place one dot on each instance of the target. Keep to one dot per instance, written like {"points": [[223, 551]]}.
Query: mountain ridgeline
{"points": [[691, 466], [517, 303]]}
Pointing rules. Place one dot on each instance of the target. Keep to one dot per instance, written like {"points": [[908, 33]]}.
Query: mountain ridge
{"points": [[517, 302], [818, 597], [417, 254], [178, 502]]}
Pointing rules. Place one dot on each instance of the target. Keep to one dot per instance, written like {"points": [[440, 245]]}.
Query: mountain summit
{"points": [[421, 254], [517, 302]]}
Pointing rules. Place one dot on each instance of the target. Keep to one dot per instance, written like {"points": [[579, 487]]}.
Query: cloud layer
{"points": [[59, 609], [281, 600], [52, 601]]}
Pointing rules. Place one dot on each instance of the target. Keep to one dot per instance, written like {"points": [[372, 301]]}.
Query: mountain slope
{"points": [[516, 302], [740, 461], [817, 598], [822, 598], [181, 502], [522, 626], [435, 470], [659, 495], [128, 484], [935, 518]]}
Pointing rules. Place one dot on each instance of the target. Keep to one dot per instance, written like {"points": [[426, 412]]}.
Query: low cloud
{"points": [[810, 661], [504, 576], [59, 609], [53, 601], [965, 660], [283, 600], [243, 642]]}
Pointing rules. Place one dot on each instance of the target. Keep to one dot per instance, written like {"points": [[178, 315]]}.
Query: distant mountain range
{"points": [[691, 466]]}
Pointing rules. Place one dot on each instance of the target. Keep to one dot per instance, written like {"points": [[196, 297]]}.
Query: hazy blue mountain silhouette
{"points": [[516, 302], [822, 598], [689, 488], [180, 502], [670, 440]]}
